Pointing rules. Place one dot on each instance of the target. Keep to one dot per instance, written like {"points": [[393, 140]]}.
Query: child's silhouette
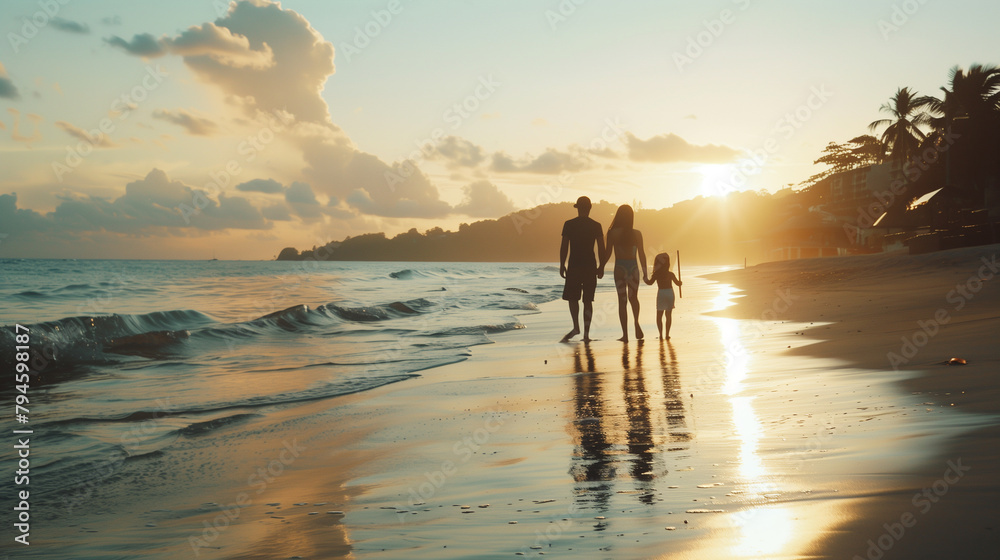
{"points": [[665, 294]]}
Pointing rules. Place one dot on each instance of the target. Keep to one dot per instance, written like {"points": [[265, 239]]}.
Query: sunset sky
{"points": [[244, 128]]}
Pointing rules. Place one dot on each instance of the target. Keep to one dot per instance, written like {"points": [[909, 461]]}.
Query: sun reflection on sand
{"points": [[763, 530]]}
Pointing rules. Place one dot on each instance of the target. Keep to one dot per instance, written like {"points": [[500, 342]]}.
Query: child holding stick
{"points": [[665, 294]]}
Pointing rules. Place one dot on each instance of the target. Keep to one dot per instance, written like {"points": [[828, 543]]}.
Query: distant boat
{"points": [[213, 256]]}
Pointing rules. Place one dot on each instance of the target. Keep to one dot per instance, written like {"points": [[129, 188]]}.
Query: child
{"points": [[665, 295]]}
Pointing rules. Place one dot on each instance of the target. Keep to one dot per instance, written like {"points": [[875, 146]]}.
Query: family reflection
{"points": [[625, 420]]}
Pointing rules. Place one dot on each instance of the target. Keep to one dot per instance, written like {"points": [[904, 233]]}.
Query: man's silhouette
{"points": [[578, 238]]}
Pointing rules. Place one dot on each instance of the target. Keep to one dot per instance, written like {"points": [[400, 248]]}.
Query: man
{"points": [[581, 273]]}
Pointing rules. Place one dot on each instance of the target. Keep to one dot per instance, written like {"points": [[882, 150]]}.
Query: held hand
{"points": [[562, 270], [600, 273], [645, 278]]}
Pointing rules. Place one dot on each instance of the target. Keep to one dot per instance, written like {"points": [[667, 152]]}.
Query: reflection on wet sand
{"points": [[621, 434]]}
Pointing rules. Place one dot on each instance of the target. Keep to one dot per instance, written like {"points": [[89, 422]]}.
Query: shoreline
{"points": [[913, 313], [737, 438]]}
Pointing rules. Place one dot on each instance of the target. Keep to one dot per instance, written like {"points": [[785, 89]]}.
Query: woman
{"points": [[626, 244]]}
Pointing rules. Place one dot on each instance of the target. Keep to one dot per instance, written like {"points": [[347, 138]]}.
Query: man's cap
{"points": [[582, 202]]}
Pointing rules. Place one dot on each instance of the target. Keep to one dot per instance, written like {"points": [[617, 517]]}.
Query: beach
{"points": [[767, 427], [915, 313]]}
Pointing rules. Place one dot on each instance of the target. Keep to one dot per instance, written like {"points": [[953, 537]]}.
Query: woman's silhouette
{"points": [[626, 244]]}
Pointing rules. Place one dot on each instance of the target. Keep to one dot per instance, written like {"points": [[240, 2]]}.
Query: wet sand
{"points": [[913, 313], [735, 439], [747, 435]]}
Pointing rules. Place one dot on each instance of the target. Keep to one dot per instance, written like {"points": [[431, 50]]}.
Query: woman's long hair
{"points": [[624, 218]]}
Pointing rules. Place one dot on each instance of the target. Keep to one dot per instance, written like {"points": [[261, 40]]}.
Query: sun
{"points": [[717, 179]]}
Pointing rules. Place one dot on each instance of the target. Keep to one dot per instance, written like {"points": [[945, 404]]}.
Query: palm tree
{"points": [[971, 109], [974, 94], [902, 135]]}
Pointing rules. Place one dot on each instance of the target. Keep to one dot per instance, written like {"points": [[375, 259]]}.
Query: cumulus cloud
{"points": [[69, 26], [301, 199], [552, 162], [277, 212], [270, 58], [668, 148], [459, 152], [7, 88], [99, 140], [299, 62], [195, 125], [268, 186], [219, 44], [367, 183], [300, 193], [150, 205], [484, 200]]}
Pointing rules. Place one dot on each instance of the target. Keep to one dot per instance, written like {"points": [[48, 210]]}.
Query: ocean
{"points": [[130, 356]]}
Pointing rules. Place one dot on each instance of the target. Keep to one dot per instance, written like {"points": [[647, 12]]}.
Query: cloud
{"points": [[22, 220], [269, 58], [299, 61], [221, 45], [112, 20], [459, 152], [301, 198], [277, 212], [150, 205], [142, 44], [7, 88], [69, 26], [367, 183], [207, 41], [669, 148], [269, 186], [300, 193], [552, 162], [484, 200], [100, 140], [195, 125]]}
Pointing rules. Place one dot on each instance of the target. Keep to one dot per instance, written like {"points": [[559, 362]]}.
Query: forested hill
{"points": [[711, 230]]}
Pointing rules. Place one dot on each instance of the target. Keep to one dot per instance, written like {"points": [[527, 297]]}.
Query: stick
{"points": [[680, 289]]}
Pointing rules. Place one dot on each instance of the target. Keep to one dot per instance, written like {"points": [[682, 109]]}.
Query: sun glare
{"points": [[716, 179]]}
